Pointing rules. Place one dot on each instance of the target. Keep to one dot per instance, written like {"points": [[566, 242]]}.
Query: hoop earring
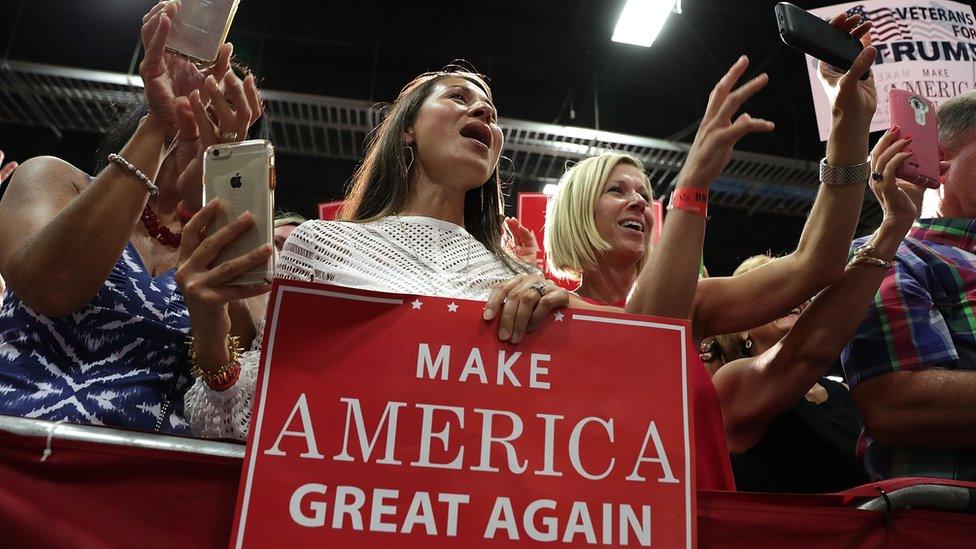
{"points": [[748, 343], [408, 151], [512, 172]]}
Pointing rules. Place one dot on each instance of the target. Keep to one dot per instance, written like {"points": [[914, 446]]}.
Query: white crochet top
{"points": [[409, 255]]}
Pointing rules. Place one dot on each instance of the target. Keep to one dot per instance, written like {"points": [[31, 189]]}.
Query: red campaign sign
{"points": [[386, 419], [329, 211]]}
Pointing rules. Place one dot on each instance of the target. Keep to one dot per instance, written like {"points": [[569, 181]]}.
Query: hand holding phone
{"points": [[915, 115], [852, 99], [817, 38], [241, 176]]}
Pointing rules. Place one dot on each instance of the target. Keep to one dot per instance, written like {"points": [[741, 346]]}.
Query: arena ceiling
{"points": [[549, 61]]}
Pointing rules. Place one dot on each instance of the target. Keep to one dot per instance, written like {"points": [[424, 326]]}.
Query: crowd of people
{"points": [[115, 315]]}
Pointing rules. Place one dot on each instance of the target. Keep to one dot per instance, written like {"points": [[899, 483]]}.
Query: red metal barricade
{"points": [[101, 487]]}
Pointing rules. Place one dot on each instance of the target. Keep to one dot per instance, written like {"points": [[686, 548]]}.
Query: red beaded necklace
{"points": [[150, 220]]}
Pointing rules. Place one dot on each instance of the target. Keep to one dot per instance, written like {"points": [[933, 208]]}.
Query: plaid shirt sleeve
{"points": [[902, 330]]}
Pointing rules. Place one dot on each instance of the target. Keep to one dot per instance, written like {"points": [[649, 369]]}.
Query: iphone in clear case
{"points": [[241, 175], [199, 29]]}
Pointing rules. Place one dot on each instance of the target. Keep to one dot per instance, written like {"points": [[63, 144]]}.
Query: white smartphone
{"points": [[242, 176], [200, 28]]}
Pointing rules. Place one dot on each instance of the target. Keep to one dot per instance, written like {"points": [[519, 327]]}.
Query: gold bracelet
{"points": [[868, 260], [223, 375], [866, 249]]}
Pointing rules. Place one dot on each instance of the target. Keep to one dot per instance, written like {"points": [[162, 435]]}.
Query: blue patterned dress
{"points": [[118, 361]]}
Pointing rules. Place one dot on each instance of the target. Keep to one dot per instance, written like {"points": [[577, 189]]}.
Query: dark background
{"points": [[548, 61]]}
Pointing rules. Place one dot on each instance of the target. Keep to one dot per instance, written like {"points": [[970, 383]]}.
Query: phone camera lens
{"points": [[216, 153]]}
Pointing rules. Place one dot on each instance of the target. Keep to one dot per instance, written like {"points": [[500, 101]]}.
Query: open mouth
{"points": [[633, 224], [478, 131]]}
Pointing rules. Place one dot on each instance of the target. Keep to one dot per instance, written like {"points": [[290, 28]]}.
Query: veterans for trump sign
{"points": [[386, 419], [925, 46]]}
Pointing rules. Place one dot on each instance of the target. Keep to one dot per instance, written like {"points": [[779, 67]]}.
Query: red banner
{"points": [[383, 419]]}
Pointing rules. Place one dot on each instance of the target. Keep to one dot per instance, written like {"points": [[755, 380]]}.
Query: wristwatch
{"points": [[844, 175]]}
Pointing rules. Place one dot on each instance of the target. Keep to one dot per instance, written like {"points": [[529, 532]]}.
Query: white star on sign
{"points": [[559, 316], [416, 304], [452, 307]]}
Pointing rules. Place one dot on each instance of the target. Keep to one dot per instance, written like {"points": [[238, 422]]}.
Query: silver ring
{"points": [[228, 136], [539, 287]]}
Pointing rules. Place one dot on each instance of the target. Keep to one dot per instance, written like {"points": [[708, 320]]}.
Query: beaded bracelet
{"points": [[224, 377], [118, 160]]}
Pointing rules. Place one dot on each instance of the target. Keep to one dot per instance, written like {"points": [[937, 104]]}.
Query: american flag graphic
{"points": [[887, 25], [934, 30]]}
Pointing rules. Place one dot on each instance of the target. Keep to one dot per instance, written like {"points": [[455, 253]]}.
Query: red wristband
{"points": [[228, 381], [690, 200]]}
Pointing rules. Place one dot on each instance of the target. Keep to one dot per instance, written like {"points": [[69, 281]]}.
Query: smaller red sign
{"points": [[329, 211]]}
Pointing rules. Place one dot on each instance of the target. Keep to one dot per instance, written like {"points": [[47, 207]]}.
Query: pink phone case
{"points": [[915, 114]]}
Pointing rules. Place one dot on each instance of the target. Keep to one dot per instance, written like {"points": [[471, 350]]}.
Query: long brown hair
{"points": [[380, 185]]}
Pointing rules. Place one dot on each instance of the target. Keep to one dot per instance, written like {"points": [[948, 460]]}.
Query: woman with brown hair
{"points": [[421, 217]]}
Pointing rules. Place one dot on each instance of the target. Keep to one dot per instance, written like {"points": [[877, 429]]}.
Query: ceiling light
{"points": [[642, 20]]}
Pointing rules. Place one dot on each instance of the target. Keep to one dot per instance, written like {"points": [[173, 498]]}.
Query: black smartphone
{"points": [[813, 36]]}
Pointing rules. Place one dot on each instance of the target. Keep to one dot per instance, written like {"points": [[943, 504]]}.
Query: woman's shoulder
{"points": [[38, 189], [51, 170], [315, 229]]}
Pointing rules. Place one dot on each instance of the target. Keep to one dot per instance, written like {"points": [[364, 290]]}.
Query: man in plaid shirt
{"points": [[912, 364]]}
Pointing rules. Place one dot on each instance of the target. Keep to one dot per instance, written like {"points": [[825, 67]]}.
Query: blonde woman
{"points": [[773, 430], [598, 228]]}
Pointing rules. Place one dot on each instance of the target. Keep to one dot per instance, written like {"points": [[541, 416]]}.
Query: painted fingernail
{"points": [[910, 150], [895, 129], [488, 314], [908, 136]]}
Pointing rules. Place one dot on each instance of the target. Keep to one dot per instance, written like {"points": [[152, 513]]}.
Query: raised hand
{"points": [[520, 241], [167, 77], [205, 289], [899, 200], [849, 95], [7, 168], [154, 68], [235, 104], [718, 133]]}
